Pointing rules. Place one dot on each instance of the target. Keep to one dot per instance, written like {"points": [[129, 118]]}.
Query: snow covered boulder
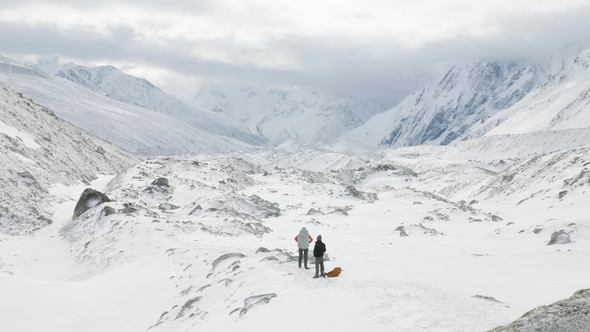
{"points": [[571, 314], [168, 207], [559, 237], [354, 192], [402, 231], [107, 211], [252, 301], [89, 199], [161, 182]]}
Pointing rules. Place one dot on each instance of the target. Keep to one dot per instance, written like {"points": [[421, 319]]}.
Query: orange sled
{"points": [[334, 273]]}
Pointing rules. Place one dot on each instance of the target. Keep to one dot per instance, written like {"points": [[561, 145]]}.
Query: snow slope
{"points": [[254, 116], [134, 128], [111, 82], [39, 150], [563, 102], [289, 113], [214, 250]]}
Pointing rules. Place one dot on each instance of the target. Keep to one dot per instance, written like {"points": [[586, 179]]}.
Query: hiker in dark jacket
{"points": [[318, 252]]}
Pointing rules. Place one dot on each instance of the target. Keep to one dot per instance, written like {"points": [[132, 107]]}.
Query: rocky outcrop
{"points": [[354, 192], [252, 301], [161, 182], [402, 231], [39, 150], [571, 314], [168, 207], [559, 237], [89, 199]]}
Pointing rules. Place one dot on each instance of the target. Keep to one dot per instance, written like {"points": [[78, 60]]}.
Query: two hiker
{"points": [[303, 240]]}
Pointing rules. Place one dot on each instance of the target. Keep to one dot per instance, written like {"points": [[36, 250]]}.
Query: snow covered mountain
{"points": [[254, 116], [487, 98], [446, 110], [134, 128], [284, 114], [40, 152], [112, 82], [561, 102]]}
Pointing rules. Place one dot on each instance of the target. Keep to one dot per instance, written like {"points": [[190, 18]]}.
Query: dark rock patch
{"points": [[252, 301], [187, 306], [262, 250], [107, 211], [168, 207], [89, 199], [225, 257], [559, 237], [402, 231], [161, 182]]}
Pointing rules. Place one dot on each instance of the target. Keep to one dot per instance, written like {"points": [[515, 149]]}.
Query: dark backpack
{"points": [[319, 249]]}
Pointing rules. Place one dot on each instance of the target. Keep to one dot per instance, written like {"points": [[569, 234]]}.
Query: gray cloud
{"points": [[379, 68]]}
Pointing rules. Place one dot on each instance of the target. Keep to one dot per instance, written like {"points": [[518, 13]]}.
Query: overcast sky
{"points": [[373, 49]]}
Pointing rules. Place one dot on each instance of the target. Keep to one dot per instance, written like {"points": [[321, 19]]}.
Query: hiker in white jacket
{"points": [[303, 240]]}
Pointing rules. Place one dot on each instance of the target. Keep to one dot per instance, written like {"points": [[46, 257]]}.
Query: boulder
{"points": [[559, 237], [262, 250], [255, 300], [267, 209], [402, 231], [354, 192], [161, 182], [571, 314], [89, 199], [168, 206], [107, 211]]}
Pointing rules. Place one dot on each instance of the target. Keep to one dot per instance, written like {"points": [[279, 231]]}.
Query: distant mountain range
{"points": [[487, 99], [253, 116]]}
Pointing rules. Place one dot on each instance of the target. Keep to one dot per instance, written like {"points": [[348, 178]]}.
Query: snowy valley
{"points": [[460, 209]]}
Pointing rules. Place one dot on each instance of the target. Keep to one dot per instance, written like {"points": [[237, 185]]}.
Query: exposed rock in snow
{"points": [[168, 206], [354, 192], [559, 237], [487, 298], [107, 211], [225, 257], [562, 170], [571, 314], [254, 300], [161, 182], [427, 230], [89, 199], [402, 231], [245, 207], [341, 210]]}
